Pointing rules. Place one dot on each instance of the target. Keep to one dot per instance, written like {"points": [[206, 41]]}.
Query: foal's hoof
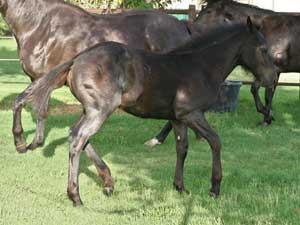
{"points": [[181, 189], [153, 142], [213, 194], [21, 148], [108, 191]]}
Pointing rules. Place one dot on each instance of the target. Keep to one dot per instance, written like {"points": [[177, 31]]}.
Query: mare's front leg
{"points": [[255, 92], [17, 130], [269, 94], [196, 121], [180, 131]]}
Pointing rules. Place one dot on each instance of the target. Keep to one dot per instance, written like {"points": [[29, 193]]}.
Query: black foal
{"points": [[178, 86]]}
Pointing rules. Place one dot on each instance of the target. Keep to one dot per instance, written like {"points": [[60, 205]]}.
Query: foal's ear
{"points": [[249, 23]]}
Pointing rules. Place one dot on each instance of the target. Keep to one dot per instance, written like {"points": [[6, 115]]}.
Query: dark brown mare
{"points": [[49, 32], [177, 86], [281, 31]]}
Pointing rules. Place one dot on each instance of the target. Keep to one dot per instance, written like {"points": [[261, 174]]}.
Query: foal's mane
{"points": [[216, 36]]}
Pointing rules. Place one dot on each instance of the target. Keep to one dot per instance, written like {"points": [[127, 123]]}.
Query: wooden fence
{"points": [[191, 12]]}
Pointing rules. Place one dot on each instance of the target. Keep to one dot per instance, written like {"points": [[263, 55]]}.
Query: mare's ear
{"points": [[249, 24]]}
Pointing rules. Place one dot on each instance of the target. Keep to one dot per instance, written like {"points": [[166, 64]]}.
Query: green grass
{"points": [[261, 168]]}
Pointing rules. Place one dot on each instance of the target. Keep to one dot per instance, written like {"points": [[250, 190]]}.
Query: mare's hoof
{"points": [[21, 148], [153, 142], [108, 191], [75, 199], [33, 146]]}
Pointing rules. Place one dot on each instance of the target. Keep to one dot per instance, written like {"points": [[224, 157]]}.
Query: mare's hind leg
{"points": [[180, 131], [17, 130], [19, 139], [39, 135], [160, 138], [197, 122], [102, 169]]}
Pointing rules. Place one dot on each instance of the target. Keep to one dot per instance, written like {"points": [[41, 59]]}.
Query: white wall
{"points": [[277, 5]]}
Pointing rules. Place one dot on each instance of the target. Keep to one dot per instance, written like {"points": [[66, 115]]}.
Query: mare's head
{"points": [[226, 12], [255, 57]]}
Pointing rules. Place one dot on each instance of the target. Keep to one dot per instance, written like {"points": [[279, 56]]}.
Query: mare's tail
{"points": [[39, 91]]}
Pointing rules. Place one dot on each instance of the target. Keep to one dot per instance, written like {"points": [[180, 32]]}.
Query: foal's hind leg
{"points": [[87, 126], [102, 169], [197, 122]]}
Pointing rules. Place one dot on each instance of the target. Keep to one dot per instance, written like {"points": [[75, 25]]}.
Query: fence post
{"points": [[192, 13]]}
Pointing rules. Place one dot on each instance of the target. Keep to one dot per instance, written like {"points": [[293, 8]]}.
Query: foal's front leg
{"points": [[180, 131], [197, 122]]}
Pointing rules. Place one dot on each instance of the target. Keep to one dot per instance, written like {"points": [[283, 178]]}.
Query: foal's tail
{"points": [[39, 91]]}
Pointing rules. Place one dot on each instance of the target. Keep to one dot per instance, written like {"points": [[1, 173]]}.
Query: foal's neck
{"points": [[224, 57]]}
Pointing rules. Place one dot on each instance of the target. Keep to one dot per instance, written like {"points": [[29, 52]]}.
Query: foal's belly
{"points": [[155, 108]]}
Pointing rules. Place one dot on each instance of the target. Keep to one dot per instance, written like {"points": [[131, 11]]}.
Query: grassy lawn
{"points": [[261, 167]]}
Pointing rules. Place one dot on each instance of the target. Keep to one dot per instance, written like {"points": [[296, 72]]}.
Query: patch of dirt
{"points": [[65, 109]]}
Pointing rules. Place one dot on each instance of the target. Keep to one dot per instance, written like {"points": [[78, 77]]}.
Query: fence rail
{"points": [[191, 11]]}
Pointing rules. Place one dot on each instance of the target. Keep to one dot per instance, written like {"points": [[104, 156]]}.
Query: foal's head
{"points": [[255, 57]]}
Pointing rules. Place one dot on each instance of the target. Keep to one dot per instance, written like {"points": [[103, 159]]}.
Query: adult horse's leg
{"points": [[163, 134], [38, 139], [269, 94], [102, 169], [255, 92], [161, 137], [19, 139], [196, 121], [17, 130], [180, 131]]}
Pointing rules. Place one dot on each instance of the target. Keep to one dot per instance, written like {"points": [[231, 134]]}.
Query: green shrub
{"points": [[4, 30]]}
